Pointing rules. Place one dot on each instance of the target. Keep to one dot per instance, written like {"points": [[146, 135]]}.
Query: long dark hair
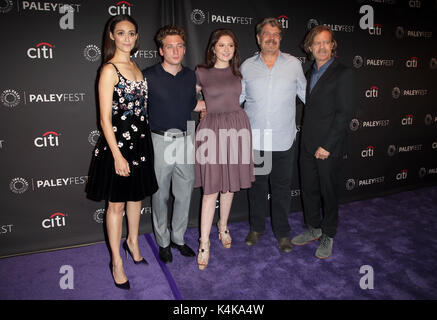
{"points": [[108, 43], [211, 57]]}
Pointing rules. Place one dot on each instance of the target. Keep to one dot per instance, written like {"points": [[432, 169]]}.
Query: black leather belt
{"points": [[170, 134]]}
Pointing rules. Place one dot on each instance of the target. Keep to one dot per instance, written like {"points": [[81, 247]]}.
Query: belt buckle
{"points": [[168, 134]]}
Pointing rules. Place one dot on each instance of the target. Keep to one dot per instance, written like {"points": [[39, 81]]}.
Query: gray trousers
{"points": [[181, 175]]}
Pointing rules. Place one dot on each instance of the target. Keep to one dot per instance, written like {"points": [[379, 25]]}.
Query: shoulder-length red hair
{"points": [[211, 57]]}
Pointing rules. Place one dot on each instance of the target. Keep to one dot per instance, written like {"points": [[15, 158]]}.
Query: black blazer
{"points": [[328, 109]]}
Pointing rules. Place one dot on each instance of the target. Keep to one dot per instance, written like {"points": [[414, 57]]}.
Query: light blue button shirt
{"points": [[270, 97]]}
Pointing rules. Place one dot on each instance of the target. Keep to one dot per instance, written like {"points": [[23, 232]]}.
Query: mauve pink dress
{"points": [[224, 159]]}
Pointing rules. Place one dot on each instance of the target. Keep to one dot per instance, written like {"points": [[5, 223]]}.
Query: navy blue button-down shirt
{"points": [[170, 98], [318, 73]]}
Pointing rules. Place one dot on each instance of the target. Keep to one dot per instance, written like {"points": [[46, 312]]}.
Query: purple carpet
{"points": [[37, 276], [394, 235]]}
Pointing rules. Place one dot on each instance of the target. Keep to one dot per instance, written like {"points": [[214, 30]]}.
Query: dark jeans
{"points": [[280, 183], [320, 185]]}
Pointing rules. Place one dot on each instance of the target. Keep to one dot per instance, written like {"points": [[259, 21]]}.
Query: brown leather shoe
{"points": [[252, 238], [285, 245]]}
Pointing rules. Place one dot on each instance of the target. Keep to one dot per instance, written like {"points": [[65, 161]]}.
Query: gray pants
{"points": [[181, 175]]}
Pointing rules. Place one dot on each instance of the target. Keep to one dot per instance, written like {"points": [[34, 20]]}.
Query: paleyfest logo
{"points": [[6, 6], [18, 185], [199, 17], [92, 52], [93, 137], [99, 214], [360, 61], [10, 98]]}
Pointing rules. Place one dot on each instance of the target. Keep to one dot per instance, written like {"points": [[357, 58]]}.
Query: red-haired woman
{"points": [[224, 162]]}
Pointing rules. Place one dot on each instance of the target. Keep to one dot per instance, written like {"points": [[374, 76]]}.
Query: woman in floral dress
{"points": [[122, 165]]}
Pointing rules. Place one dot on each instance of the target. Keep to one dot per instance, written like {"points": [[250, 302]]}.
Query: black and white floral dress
{"points": [[132, 132]]}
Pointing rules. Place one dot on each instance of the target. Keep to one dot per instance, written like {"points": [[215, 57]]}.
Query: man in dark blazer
{"points": [[328, 109]]}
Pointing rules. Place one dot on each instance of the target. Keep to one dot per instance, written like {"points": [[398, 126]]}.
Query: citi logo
{"points": [[42, 50], [368, 152], [407, 120], [372, 92], [122, 7], [411, 63], [55, 220], [402, 175], [283, 19], [376, 30], [48, 139]]}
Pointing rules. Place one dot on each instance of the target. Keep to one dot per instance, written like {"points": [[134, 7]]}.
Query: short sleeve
{"points": [[198, 73]]}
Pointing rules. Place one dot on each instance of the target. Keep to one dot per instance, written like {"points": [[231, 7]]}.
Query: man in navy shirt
{"points": [[171, 99]]}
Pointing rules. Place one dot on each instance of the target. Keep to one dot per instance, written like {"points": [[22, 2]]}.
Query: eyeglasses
{"points": [[269, 35]]}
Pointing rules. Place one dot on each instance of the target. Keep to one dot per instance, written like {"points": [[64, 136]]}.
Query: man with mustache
{"points": [[328, 111], [271, 81]]}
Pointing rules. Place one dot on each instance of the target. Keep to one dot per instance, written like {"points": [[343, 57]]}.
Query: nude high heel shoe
{"points": [[203, 256], [224, 236]]}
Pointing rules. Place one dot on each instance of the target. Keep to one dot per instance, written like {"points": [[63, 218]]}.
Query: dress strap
{"points": [[116, 69]]}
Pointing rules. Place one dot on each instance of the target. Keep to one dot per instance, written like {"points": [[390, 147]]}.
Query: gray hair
{"points": [[271, 21]]}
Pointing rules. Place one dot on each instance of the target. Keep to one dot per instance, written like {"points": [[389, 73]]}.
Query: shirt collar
{"points": [[260, 56], [324, 67], [181, 72]]}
